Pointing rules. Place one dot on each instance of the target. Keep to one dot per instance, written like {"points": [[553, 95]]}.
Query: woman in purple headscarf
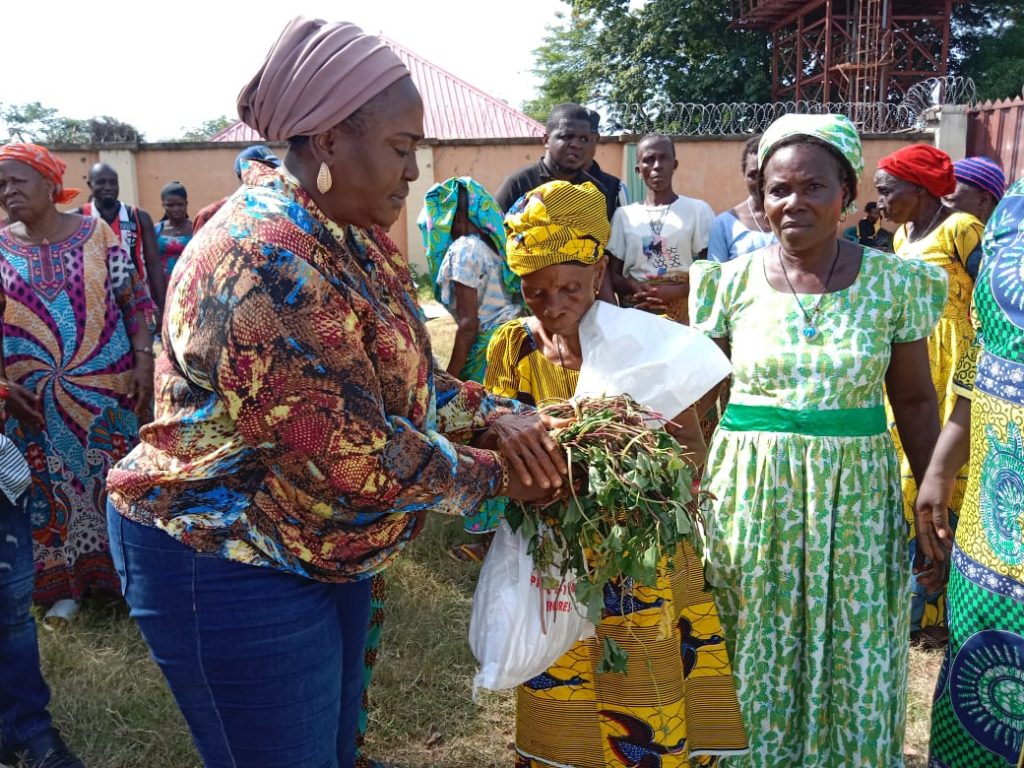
{"points": [[302, 430], [979, 187]]}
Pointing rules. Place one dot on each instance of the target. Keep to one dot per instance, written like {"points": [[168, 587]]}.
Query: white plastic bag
{"points": [[517, 628], [660, 363]]}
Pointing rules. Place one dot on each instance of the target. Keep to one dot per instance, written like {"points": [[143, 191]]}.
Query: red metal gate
{"points": [[996, 129]]}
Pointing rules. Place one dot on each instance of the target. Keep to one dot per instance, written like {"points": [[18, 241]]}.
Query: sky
{"points": [[171, 65]]}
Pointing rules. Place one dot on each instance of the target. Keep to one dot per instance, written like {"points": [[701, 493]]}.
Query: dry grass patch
{"points": [[112, 704], [924, 671]]}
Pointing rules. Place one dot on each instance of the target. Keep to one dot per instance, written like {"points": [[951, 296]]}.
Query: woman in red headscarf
{"points": [[911, 184], [76, 334]]}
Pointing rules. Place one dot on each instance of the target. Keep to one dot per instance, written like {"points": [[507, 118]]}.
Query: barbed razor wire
{"points": [[737, 118]]}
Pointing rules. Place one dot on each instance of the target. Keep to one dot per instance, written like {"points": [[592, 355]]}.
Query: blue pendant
{"points": [[810, 331]]}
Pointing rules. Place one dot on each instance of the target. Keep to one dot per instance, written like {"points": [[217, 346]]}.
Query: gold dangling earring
{"points": [[324, 180]]}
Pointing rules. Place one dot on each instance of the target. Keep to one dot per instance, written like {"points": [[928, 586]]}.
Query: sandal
{"points": [[469, 553]]}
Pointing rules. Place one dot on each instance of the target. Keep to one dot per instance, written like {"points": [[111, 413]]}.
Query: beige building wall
{"points": [[79, 162], [208, 175], [708, 169]]}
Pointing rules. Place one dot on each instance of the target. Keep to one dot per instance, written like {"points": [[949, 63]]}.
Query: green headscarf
{"points": [[435, 223], [835, 130]]}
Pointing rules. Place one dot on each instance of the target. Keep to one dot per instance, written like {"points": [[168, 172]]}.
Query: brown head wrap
{"points": [[315, 76]]}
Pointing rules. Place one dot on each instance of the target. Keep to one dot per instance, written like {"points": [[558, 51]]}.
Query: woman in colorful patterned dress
{"points": [[76, 333], [174, 230], [302, 429], [676, 705], [464, 238], [978, 713], [910, 184], [804, 523]]}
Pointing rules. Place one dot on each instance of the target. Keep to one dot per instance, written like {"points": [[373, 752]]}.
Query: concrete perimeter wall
{"points": [[709, 168]]}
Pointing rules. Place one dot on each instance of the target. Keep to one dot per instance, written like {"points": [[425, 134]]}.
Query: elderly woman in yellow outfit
{"points": [[676, 704]]}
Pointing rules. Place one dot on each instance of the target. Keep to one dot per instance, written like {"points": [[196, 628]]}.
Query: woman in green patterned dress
{"points": [[805, 520], [978, 714]]}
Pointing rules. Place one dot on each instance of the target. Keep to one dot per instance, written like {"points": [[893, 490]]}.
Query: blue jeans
{"points": [[266, 666], [23, 692]]}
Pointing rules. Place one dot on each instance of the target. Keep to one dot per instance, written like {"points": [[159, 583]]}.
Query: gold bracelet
{"points": [[503, 464]]}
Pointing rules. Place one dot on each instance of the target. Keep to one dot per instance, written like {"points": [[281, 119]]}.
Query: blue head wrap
{"points": [[256, 152]]}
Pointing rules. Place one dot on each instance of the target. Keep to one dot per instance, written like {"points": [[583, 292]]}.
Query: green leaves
{"points": [[613, 658], [638, 506], [638, 55]]}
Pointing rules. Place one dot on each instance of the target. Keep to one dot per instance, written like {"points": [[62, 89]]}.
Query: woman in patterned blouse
{"points": [[302, 430]]}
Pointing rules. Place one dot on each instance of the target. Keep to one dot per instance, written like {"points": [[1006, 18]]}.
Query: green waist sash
{"points": [[842, 422]]}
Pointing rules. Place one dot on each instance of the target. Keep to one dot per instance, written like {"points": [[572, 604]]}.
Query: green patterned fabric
{"points": [[978, 714], [435, 223], [805, 533], [835, 130]]}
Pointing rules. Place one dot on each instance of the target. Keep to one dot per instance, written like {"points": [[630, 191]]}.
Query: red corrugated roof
{"points": [[453, 109]]}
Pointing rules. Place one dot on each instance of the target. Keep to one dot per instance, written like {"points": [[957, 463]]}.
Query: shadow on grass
{"points": [[111, 702]]}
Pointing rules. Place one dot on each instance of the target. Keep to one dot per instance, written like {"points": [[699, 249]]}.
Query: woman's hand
{"points": [[934, 536], [626, 286], [535, 459], [25, 405], [142, 384], [657, 298], [531, 494], [685, 428]]}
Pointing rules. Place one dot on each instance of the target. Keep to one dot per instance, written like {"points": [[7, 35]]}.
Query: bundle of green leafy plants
{"points": [[628, 505]]}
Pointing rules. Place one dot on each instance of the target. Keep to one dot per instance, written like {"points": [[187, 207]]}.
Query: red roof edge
{"points": [[512, 111]]}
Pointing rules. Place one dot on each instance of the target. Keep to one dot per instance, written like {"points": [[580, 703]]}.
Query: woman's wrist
{"points": [[938, 473], [502, 489]]}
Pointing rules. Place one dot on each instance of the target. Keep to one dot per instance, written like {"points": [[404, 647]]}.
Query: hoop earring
{"points": [[324, 182], [842, 217]]}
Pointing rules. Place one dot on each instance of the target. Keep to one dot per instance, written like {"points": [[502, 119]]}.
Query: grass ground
{"points": [[114, 708]]}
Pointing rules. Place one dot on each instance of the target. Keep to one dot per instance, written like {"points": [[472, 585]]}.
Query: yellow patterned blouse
{"points": [[676, 705]]}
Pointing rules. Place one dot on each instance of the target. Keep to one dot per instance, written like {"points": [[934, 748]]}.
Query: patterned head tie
{"points": [[837, 131], [923, 165], [44, 162], [438, 214], [555, 223], [982, 173]]}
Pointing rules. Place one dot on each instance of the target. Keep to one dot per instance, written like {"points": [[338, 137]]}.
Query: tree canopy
{"points": [[207, 129], [627, 57], [630, 57], [36, 123], [988, 46]]}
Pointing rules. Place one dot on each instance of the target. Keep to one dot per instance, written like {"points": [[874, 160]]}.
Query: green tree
{"points": [[207, 129], [566, 75], [36, 123], [988, 46], [634, 60]]}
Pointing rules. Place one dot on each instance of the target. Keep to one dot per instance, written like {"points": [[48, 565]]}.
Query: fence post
{"points": [[413, 203], [122, 160], [950, 126]]}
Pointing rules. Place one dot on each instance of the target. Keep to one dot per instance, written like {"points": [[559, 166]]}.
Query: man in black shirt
{"points": [[567, 155], [595, 170]]}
